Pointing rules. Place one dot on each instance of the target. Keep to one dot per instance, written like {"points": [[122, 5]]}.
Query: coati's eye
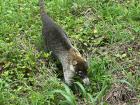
{"points": [[80, 73]]}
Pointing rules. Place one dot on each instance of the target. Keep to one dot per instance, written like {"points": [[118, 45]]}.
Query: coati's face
{"points": [[81, 70], [80, 65]]}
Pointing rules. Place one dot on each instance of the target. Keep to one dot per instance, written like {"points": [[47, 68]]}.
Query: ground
{"points": [[106, 32]]}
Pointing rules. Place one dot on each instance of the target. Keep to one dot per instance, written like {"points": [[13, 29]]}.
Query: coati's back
{"points": [[55, 37]]}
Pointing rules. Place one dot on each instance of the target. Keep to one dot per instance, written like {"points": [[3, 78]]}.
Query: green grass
{"points": [[106, 31]]}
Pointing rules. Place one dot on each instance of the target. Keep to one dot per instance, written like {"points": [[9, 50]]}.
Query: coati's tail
{"points": [[42, 7], [44, 17]]}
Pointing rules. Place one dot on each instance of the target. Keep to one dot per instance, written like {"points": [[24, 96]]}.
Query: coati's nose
{"points": [[86, 81]]}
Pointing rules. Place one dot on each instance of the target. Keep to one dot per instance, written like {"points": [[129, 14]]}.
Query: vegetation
{"points": [[107, 32]]}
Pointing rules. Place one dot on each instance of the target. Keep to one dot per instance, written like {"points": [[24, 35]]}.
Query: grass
{"points": [[107, 32]]}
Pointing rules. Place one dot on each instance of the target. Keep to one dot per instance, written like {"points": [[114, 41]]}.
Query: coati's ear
{"points": [[74, 62]]}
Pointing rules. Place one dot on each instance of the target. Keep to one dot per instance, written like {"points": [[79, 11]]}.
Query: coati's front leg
{"points": [[68, 71], [68, 74]]}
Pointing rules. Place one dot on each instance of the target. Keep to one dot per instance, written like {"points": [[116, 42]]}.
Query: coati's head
{"points": [[80, 65], [81, 70]]}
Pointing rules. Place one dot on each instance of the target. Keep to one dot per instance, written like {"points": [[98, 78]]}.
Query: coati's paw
{"points": [[68, 76], [69, 82]]}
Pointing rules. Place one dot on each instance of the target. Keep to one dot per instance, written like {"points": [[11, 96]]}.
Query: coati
{"points": [[57, 42]]}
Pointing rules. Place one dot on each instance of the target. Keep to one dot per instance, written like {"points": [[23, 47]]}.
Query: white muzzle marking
{"points": [[86, 81]]}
